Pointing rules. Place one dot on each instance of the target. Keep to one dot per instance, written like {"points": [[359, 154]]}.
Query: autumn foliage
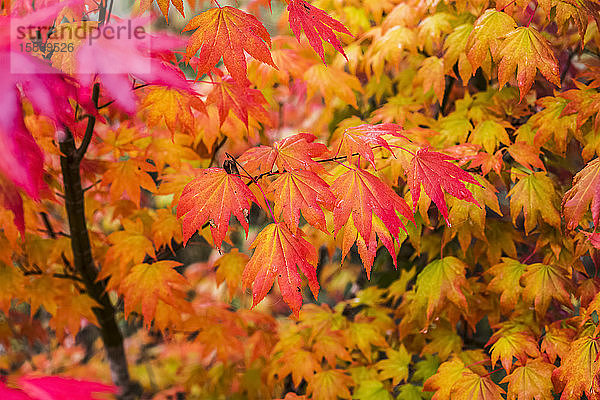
{"points": [[379, 199]]}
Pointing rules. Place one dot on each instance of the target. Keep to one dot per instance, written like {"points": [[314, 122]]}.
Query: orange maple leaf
{"points": [[530, 381], [228, 95], [227, 32], [579, 371], [172, 106], [364, 195], [434, 172], [164, 7], [127, 177], [585, 191], [317, 25], [146, 284], [278, 252], [291, 153], [525, 49], [359, 139], [507, 344], [298, 190], [213, 196]]}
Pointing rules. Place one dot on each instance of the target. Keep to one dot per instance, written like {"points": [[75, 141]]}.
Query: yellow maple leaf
{"points": [[525, 49]]}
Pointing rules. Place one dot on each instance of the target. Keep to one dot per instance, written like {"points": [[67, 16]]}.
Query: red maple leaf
{"points": [[432, 170], [294, 152], [359, 139], [213, 196], [228, 94], [278, 253], [227, 32], [317, 25]]}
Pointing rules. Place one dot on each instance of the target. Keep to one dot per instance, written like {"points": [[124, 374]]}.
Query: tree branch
{"points": [[89, 130], [85, 267]]}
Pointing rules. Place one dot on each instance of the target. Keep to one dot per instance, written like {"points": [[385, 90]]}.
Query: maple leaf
{"points": [[294, 152], [431, 74], [128, 246], [454, 52], [300, 364], [484, 40], [432, 170], [278, 253], [371, 390], [526, 155], [579, 370], [213, 196], [553, 124], [12, 394], [172, 106], [146, 284], [127, 177], [359, 139], [507, 344], [362, 197], [507, 276], [525, 49], [11, 200], [584, 192], [556, 341], [535, 196], [302, 190], [440, 280], [489, 134], [164, 7], [444, 379], [530, 381], [229, 269], [331, 83], [61, 388], [329, 385], [230, 95], [395, 366], [544, 282], [317, 25], [331, 345], [227, 32], [165, 229], [444, 341], [471, 386], [67, 61]]}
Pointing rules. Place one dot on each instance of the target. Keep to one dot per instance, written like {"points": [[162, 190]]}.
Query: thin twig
{"points": [[89, 130], [109, 11], [85, 189], [112, 101]]}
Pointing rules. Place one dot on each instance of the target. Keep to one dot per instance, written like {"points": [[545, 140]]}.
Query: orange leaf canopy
{"points": [[227, 32], [214, 196], [277, 253]]}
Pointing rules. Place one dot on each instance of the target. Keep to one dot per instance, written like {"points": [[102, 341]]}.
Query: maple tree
{"points": [[330, 130]]}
